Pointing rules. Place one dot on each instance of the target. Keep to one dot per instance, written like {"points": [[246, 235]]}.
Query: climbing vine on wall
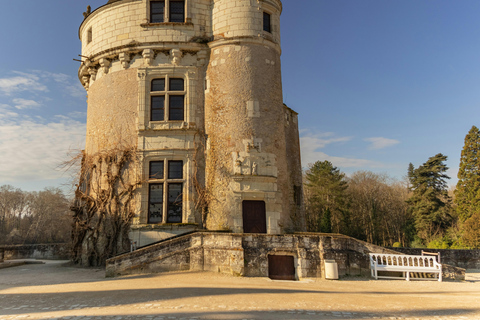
{"points": [[104, 207]]}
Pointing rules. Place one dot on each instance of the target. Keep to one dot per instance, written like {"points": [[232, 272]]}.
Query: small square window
{"points": [[157, 9], [267, 22], [175, 169], [177, 11], [156, 170]]}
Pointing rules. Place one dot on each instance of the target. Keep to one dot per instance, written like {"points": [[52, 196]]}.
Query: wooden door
{"points": [[254, 217], [281, 267]]}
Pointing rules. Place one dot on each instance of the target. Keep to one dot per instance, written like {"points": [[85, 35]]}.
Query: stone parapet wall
{"points": [[247, 255], [50, 251]]}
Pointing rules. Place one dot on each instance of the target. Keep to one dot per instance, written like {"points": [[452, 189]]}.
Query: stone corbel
{"points": [[105, 64], [148, 56], [124, 59], [176, 56], [93, 73], [86, 82], [202, 58]]}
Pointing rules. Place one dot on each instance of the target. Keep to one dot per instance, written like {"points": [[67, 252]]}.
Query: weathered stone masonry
{"points": [[247, 255], [236, 141]]}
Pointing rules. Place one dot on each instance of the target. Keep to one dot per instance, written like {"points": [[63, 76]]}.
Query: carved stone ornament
{"points": [[86, 82], [148, 56], [254, 169], [141, 75], [87, 13], [105, 64], [124, 59], [93, 73], [176, 56]]}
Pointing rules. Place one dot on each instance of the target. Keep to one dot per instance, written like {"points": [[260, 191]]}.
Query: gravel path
{"points": [[55, 291]]}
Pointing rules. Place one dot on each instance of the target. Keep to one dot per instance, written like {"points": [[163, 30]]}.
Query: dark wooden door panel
{"points": [[254, 217], [281, 267]]}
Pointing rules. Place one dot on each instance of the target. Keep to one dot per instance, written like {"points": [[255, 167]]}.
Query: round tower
{"points": [[144, 68], [248, 171], [194, 87]]}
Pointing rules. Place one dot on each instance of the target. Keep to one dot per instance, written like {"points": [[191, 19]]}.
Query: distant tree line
{"points": [[34, 217], [419, 212]]}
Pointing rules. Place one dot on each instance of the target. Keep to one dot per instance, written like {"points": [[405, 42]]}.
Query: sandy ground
{"points": [[56, 291]]}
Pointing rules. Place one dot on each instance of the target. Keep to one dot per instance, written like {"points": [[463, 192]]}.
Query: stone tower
{"points": [[195, 87]]}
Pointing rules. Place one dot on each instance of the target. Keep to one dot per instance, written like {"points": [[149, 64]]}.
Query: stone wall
{"points": [[145, 234], [247, 255], [54, 251], [467, 259]]}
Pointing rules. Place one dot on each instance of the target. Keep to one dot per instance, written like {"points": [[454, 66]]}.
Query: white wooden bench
{"points": [[404, 264]]}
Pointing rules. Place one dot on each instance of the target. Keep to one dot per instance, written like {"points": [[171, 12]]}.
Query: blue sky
{"points": [[377, 83]]}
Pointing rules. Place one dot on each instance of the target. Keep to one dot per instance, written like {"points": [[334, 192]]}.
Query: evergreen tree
{"points": [[430, 202], [467, 193], [325, 187]]}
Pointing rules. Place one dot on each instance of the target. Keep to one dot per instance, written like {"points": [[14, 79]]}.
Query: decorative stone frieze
{"points": [[124, 59], [176, 56], [105, 64], [148, 56], [86, 82], [93, 73]]}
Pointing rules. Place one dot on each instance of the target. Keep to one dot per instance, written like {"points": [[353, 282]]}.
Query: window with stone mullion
{"points": [[173, 95], [177, 11], [157, 11], [165, 193]]}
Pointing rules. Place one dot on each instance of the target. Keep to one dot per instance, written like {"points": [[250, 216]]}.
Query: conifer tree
{"points": [[467, 193], [325, 188], [430, 202]]}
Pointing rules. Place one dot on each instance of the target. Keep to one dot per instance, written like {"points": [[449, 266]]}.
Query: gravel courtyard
{"points": [[56, 291]]}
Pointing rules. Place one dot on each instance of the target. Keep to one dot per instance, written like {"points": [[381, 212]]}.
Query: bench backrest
{"points": [[403, 260]]}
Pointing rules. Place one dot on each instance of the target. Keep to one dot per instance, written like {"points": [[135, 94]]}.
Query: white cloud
{"points": [[21, 104], [380, 143], [311, 143], [23, 82], [70, 85], [32, 149]]}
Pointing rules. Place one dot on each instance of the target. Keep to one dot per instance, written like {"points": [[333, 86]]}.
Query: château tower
{"points": [[195, 87]]}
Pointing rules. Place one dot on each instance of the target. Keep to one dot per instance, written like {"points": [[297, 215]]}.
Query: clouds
{"points": [[37, 129], [21, 82], [22, 104], [31, 149], [312, 144], [380, 143]]}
